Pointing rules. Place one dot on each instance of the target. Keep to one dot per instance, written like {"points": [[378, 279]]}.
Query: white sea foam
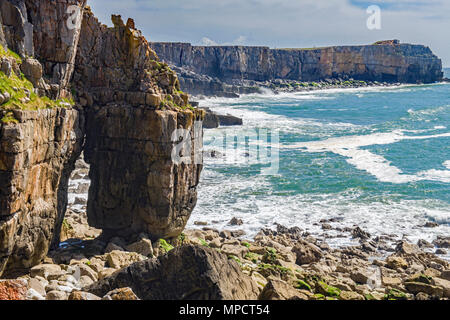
{"points": [[219, 202], [378, 166]]}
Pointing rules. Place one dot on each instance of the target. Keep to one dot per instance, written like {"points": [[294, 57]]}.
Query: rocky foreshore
{"points": [[203, 86], [279, 264]]}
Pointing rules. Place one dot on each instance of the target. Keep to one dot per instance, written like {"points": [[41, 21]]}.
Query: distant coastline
{"points": [[229, 71]]}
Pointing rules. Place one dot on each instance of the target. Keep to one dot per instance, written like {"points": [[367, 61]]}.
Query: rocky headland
{"points": [[228, 71], [93, 207]]}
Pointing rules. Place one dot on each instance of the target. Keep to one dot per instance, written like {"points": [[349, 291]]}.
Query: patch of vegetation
{"points": [[11, 54], [368, 296], [9, 118], [246, 244], [328, 290], [274, 269], [270, 256], [165, 246], [182, 238], [303, 285], [203, 242], [21, 90], [318, 296], [233, 257], [253, 257], [395, 294], [168, 102]]}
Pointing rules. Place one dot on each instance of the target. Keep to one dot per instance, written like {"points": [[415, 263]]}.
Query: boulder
{"points": [[280, 290], [118, 259], [416, 287], [360, 276], [32, 69], [444, 284], [187, 272], [80, 295], [143, 247], [445, 274], [46, 270], [229, 120], [121, 294], [56, 295], [306, 252], [395, 262]]}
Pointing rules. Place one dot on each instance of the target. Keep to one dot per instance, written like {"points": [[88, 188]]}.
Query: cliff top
{"points": [[389, 43]]}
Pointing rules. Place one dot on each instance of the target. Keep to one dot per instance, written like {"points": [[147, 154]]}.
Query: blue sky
{"points": [[285, 23]]}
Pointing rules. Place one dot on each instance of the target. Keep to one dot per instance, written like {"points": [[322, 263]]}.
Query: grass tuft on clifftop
{"points": [[21, 91]]}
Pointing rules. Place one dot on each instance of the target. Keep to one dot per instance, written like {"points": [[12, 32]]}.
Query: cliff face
{"points": [[36, 158], [127, 106], [390, 62], [40, 139], [136, 187]]}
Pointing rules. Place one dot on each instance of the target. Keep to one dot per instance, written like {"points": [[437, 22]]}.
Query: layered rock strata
{"points": [[136, 186], [135, 106], [132, 105], [238, 67], [36, 157]]}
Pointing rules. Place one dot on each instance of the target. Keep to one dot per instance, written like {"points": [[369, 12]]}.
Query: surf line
{"points": [[376, 165]]}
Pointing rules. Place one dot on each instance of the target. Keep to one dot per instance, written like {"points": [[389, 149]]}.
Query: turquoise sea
{"points": [[374, 157]]}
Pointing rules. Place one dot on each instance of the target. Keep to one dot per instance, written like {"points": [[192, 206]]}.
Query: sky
{"points": [[286, 23]]}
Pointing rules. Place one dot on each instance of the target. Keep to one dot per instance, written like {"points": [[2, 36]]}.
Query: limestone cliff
{"points": [[384, 61], [121, 105], [135, 104], [37, 155], [40, 138]]}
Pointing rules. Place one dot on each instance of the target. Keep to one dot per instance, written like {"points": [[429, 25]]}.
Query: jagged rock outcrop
{"points": [[136, 186], [239, 65], [56, 32], [185, 273], [36, 158], [45, 30], [214, 120]]}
